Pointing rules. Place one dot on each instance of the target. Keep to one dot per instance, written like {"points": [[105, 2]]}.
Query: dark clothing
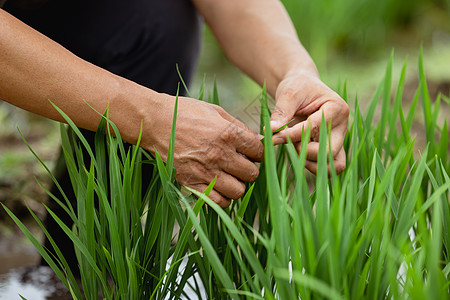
{"points": [[141, 40]]}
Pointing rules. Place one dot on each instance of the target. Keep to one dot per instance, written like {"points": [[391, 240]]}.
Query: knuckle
{"points": [[277, 111], [213, 155], [334, 151], [245, 127], [345, 109], [315, 130], [182, 177], [188, 175], [227, 134], [219, 109]]}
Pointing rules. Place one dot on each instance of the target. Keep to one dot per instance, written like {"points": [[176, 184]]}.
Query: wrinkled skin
{"points": [[210, 143], [258, 38], [303, 97]]}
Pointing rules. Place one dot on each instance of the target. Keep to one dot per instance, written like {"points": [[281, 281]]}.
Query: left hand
{"points": [[302, 96]]}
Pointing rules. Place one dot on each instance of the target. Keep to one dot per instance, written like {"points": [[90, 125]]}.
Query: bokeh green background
{"points": [[351, 40]]}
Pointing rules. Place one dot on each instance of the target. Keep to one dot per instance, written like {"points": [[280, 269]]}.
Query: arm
{"points": [[259, 38], [34, 70]]}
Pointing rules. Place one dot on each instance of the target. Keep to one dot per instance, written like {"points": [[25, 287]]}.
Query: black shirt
{"points": [[141, 40]]}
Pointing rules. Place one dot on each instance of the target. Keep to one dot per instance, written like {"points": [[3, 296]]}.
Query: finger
{"points": [[250, 145], [283, 112], [338, 131], [241, 168], [334, 113], [213, 195], [312, 150], [219, 199], [295, 133], [339, 163], [197, 175], [229, 187], [246, 142], [296, 120]]}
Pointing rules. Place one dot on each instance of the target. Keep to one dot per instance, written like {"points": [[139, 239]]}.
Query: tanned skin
{"points": [[256, 35]]}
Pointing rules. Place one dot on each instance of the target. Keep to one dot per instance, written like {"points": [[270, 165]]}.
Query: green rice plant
{"points": [[378, 230], [122, 233]]}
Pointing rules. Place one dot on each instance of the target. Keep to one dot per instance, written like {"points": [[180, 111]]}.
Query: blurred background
{"points": [[349, 40]]}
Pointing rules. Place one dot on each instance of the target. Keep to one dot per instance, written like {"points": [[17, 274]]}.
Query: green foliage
{"points": [[375, 231], [378, 230], [358, 27]]}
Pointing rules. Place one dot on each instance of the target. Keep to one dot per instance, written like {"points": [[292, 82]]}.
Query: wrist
{"points": [[133, 106], [299, 64], [303, 69]]}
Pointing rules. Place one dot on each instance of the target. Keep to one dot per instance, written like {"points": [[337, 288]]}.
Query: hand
{"points": [[209, 143], [303, 97]]}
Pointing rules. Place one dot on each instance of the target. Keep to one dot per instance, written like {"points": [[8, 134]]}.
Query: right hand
{"points": [[209, 143]]}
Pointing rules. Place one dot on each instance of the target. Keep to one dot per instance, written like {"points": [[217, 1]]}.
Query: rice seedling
{"points": [[378, 230], [122, 233]]}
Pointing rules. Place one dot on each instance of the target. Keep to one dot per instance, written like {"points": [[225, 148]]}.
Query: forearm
{"points": [[210, 144], [35, 70], [258, 37]]}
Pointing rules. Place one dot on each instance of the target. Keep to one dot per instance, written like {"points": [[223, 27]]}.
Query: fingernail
{"points": [[275, 124]]}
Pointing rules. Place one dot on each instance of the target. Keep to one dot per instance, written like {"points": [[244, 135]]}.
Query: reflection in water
{"points": [[40, 283], [37, 283], [20, 275]]}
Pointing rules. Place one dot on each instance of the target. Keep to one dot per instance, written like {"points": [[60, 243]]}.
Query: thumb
{"points": [[282, 113]]}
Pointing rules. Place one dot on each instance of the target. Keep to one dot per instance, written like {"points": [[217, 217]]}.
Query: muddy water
{"points": [[20, 274], [33, 283]]}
